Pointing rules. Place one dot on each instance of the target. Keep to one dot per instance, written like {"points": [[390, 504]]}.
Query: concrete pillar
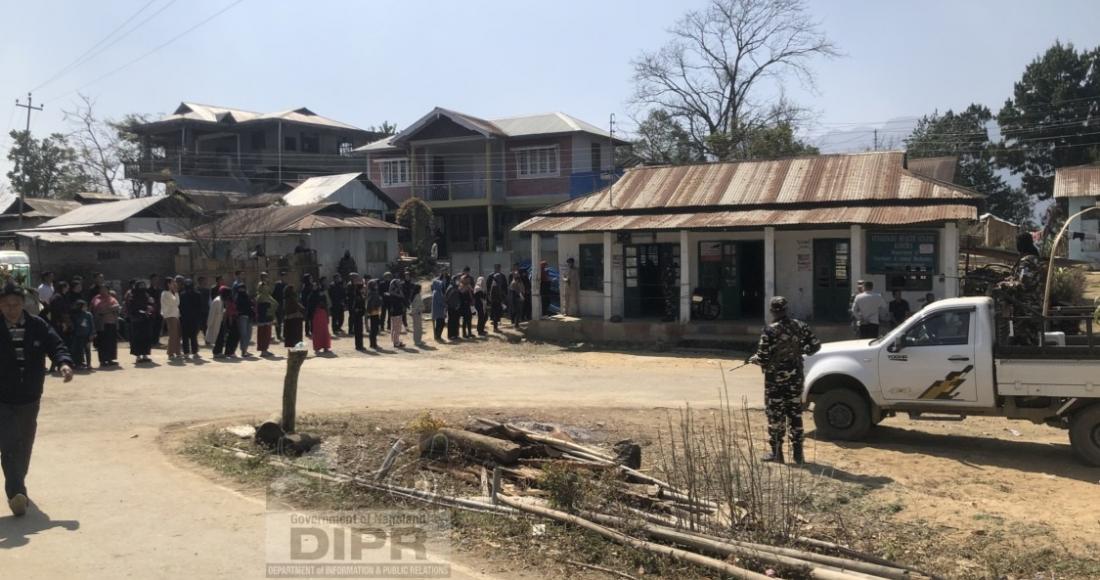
{"points": [[536, 273], [685, 277], [949, 260], [607, 259], [769, 265], [855, 256]]}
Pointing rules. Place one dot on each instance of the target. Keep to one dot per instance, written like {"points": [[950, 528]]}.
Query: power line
{"points": [[151, 52], [87, 54]]}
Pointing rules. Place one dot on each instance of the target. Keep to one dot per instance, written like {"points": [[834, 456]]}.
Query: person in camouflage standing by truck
{"points": [[779, 354], [1020, 297]]}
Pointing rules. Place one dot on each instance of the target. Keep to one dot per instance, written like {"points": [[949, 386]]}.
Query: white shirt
{"points": [[869, 308], [45, 292], [169, 304]]}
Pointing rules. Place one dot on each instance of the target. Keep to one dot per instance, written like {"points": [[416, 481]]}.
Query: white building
{"points": [[1079, 186], [351, 190], [805, 228]]}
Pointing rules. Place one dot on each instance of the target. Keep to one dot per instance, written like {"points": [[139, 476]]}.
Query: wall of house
{"points": [[1089, 248], [118, 262], [355, 195], [521, 186], [330, 245], [374, 171], [154, 225]]}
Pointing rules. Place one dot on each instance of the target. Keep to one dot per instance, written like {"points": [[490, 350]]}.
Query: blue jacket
{"points": [[439, 305]]}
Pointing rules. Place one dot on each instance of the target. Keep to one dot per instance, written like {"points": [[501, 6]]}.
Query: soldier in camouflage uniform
{"points": [[1021, 296], [779, 354]]}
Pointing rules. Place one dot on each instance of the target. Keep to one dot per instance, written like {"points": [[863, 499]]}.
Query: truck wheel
{"points": [[842, 414], [1084, 434]]}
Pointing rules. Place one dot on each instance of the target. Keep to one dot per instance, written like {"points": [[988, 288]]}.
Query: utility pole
{"points": [[29, 106], [876, 139], [611, 174]]}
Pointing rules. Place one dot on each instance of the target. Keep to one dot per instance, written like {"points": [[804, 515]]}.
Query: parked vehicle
{"points": [[945, 361], [705, 305], [14, 263]]}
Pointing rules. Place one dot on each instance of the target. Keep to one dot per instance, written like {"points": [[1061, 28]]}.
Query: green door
{"points": [[832, 280], [643, 267]]}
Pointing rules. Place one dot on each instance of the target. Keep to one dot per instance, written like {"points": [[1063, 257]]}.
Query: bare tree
{"points": [[102, 147], [713, 74]]}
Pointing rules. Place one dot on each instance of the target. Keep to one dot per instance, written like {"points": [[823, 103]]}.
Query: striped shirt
{"points": [[17, 332]]}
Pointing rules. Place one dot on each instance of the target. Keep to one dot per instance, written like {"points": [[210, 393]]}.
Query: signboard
{"points": [[710, 251], [894, 252], [804, 261]]}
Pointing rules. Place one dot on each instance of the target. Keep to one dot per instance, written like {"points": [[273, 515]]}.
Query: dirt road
{"points": [[114, 505]]}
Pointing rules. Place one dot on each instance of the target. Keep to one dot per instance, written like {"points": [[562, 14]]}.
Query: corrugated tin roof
{"points": [[104, 213], [521, 126], [318, 189], [384, 144], [1077, 181], [285, 219], [828, 216], [102, 238], [804, 180], [213, 184], [941, 168], [95, 197], [36, 206], [200, 113]]}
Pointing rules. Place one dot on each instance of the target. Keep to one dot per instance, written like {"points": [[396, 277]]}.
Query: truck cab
{"points": [[945, 360]]}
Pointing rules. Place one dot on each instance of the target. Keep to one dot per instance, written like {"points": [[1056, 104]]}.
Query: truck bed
{"points": [[1048, 377]]}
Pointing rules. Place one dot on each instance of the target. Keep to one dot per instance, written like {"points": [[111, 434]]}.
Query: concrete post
{"points": [[607, 259], [685, 278], [949, 260], [855, 256], [536, 274], [769, 265]]}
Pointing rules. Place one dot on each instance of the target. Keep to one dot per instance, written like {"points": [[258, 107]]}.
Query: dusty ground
{"points": [[120, 505]]}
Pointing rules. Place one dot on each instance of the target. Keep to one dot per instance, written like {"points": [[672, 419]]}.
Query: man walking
{"points": [[779, 354], [569, 288], [25, 341], [868, 310]]}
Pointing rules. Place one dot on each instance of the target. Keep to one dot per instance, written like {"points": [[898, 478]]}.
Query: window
{"points": [[537, 162], [290, 143], [259, 140], [311, 144], [395, 172], [947, 328], [344, 148], [377, 252], [591, 268], [597, 157]]}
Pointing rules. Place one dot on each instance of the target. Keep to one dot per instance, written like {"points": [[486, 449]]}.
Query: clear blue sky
{"points": [[368, 61]]}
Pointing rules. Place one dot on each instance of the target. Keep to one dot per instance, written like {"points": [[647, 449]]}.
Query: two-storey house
{"points": [[482, 177]]}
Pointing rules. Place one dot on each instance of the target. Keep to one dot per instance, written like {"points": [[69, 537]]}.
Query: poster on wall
{"points": [[804, 260], [710, 251], [891, 252]]}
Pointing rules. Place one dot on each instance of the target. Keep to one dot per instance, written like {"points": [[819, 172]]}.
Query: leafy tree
{"points": [[384, 130], [46, 167], [662, 140], [1052, 119], [765, 142], [965, 135], [415, 215], [724, 64]]}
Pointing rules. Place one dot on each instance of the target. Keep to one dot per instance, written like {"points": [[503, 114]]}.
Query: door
{"points": [[832, 280], [718, 271], [643, 267], [751, 266], [933, 360]]}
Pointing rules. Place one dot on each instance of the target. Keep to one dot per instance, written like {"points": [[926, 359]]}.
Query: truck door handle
{"points": [[958, 358]]}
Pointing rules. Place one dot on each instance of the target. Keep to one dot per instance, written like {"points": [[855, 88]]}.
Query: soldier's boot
{"points": [[776, 455], [796, 453]]}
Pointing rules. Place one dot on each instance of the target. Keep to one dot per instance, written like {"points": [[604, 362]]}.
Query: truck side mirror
{"points": [[894, 346]]}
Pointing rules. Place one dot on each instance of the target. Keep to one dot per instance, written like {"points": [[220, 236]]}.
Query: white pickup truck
{"points": [[945, 360]]}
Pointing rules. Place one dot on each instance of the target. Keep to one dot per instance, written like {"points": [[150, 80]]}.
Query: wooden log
{"points": [[500, 450], [617, 536], [270, 432], [858, 555], [294, 361]]}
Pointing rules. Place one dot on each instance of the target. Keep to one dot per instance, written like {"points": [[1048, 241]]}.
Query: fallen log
{"points": [[858, 555], [617, 536], [270, 432], [500, 450]]}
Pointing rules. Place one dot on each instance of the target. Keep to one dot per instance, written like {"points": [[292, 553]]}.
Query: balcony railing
{"points": [[232, 164]]}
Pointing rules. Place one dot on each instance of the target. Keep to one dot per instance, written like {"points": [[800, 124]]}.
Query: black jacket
{"points": [[191, 307], [39, 341]]}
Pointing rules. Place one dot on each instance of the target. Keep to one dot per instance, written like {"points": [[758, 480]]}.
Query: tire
{"points": [[1084, 434], [842, 414]]}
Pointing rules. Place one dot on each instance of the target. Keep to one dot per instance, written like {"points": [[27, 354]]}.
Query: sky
{"points": [[365, 62]]}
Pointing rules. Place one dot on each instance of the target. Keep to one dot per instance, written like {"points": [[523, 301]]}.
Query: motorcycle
{"points": [[704, 304]]}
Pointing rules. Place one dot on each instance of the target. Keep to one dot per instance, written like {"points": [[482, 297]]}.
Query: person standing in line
{"points": [[265, 317], [357, 309], [544, 287], [453, 298], [75, 294], [83, 334], [338, 298], [238, 281], [45, 289], [868, 309], [140, 313], [191, 318], [416, 313], [98, 281], [106, 309], [215, 330], [245, 314], [899, 309], [374, 312], [479, 304], [779, 354], [384, 288], [231, 323], [516, 291], [526, 279], [497, 291], [170, 310], [439, 305], [279, 292], [397, 311], [407, 289], [204, 298], [317, 310], [293, 317], [570, 279], [303, 299], [346, 265], [156, 323], [466, 308], [25, 342]]}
